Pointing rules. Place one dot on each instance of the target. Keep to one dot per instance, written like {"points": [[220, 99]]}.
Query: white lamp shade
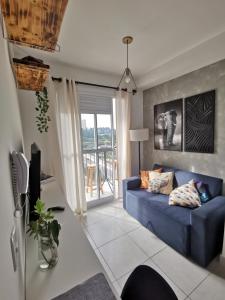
{"points": [[139, 135]]}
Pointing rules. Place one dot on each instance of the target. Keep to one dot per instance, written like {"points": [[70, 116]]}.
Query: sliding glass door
{"points": [[98, 156]]}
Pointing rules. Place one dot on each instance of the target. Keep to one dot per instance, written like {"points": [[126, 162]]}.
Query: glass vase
{"points": [[47, 250]]}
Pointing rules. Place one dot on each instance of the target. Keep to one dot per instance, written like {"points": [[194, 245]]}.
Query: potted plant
{"points": [[46, 230]]}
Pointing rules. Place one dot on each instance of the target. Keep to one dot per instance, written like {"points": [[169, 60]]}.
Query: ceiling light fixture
{"points": [[127, 77]]}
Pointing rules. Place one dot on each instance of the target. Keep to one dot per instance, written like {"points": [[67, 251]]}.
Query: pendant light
{"points": [[127, 79]]}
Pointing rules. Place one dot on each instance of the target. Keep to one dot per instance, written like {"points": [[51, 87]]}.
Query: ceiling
{"points": [[175, 34]]}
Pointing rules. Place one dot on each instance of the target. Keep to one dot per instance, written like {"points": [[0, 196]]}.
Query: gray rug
{"points": [[95, 288]]}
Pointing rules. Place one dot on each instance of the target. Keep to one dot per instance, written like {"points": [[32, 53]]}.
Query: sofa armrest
{"points": [[207, 230], [130, 184]]}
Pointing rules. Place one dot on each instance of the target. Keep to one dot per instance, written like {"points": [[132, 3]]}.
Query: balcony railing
{"points": [[99, 169]]}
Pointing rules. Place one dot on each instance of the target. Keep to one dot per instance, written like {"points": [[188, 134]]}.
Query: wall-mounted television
{"points": [[34, 178]]}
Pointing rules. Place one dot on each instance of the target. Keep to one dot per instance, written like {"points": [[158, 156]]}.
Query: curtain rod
{"points": [[87, 83]]}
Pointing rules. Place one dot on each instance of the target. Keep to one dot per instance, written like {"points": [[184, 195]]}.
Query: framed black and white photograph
{"points": [[199, 122], [168, 125]]}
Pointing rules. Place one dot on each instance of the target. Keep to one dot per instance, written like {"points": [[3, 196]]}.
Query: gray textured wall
{"points": [[205, 79]]}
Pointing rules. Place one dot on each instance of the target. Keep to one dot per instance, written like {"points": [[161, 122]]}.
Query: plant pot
{"points": [[47, 252]]}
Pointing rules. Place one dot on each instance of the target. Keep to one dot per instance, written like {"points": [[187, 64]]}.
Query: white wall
{"points": [[27, 101], [10, 139]]}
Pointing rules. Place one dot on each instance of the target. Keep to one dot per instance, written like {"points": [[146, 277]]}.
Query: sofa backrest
{"points": [[214, 184]]}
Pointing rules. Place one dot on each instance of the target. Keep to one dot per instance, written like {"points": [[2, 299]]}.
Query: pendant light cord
{"points": [[127, 40], [127, 54]]}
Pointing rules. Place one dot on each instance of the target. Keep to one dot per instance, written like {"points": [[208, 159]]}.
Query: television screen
{"points": [[34, 178]]}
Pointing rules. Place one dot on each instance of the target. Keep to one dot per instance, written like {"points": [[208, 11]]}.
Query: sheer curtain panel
{"points": [[66, 114], [123, 111]]}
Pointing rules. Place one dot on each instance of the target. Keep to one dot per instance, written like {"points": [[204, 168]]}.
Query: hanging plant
{"points": [[42, 118]]}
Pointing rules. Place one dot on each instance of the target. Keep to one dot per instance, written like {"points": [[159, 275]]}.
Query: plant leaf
{"points": [[55, 227]]}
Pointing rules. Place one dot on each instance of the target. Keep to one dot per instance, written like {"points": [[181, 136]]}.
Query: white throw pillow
{"points": [[185, 195], [160, 182]]}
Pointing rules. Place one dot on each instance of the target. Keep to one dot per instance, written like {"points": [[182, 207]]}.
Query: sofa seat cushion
{"points": [[170, 223], [160, 202]]}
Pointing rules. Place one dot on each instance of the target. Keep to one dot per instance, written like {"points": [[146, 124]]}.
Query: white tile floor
{"points": [[121, 244]]}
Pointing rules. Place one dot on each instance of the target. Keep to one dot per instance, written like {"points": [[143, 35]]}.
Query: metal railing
{"points": [[102, 165]]}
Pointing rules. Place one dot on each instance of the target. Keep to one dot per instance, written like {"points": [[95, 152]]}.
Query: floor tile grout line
{"points": [[107, 266], [116, 238], [105, 214], [186, 294], [88, 234], [130, 271], [86, 225], [161, 250], [125, 233], [115, 279], [92, 241], [144, 250], [148, 257], [199, 284], [104, 261], [112, 217]]}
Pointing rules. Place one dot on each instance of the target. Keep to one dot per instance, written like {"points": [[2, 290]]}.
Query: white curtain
{"points": [[122, 114], [65, 115]]}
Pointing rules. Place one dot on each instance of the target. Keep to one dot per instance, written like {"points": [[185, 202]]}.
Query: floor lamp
{"points": [[139, 135]]}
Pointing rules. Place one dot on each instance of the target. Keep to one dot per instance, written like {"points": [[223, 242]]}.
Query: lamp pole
{"points": [[139, 135], [139, 156]]}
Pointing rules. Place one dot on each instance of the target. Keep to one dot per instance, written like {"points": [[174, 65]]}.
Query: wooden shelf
{"points": [[34, 23]]}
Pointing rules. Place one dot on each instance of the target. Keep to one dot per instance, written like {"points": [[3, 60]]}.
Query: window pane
{"points": [[88, 131], [104, 131]]}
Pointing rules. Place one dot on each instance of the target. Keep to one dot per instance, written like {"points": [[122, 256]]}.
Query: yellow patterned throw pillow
{"points": [[160, 182], [185, 195], [145, 178]]}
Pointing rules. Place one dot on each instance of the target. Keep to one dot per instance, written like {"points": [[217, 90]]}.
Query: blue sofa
{"points": [[196, 233]]}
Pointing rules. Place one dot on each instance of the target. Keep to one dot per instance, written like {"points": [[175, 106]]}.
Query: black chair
{"points": [[145, 283]]}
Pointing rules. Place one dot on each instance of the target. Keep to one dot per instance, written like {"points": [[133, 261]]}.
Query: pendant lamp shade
{"points": [[127, 82]]}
